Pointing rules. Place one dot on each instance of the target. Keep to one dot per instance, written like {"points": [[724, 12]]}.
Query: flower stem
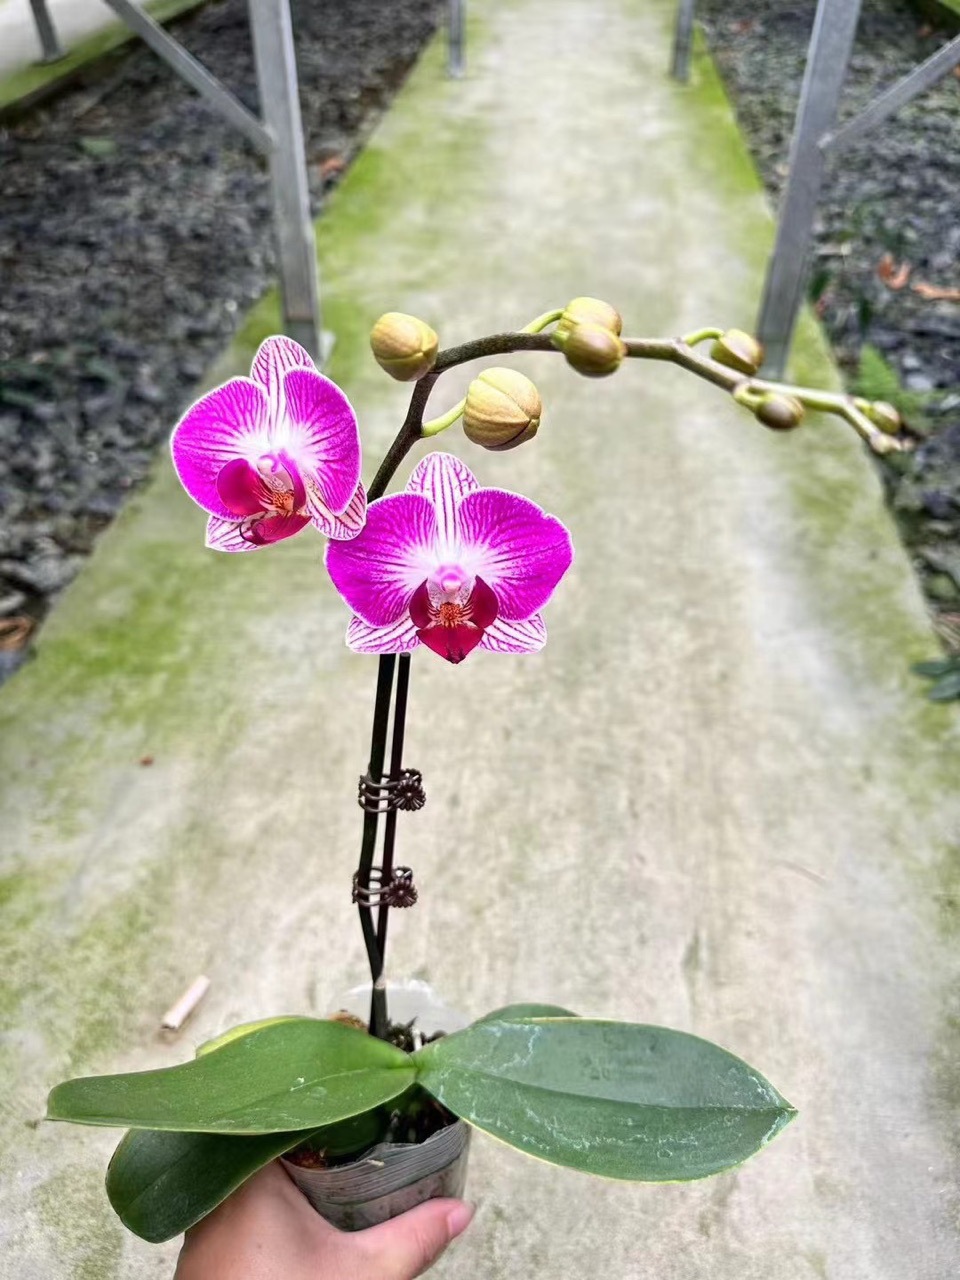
{"points": [[436, 425], [378, 748], [396, 765]]}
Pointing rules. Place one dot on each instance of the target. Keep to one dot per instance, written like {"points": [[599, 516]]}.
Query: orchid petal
{"points": [[227, 535], [275, 357], [378, 571], [401, 637], [452, 643], [420, 612], [228, 423], [239, 488], [516, 548], [251, 534], [446, 481], [320, 434], [344, 526], [276, 528], [528, 636], [484, 606]]}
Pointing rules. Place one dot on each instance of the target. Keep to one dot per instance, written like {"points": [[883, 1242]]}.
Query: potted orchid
{"points": [[372, 1114]]}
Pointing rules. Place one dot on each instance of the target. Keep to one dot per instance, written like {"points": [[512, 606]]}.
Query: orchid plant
{"points": [[451, 567]]}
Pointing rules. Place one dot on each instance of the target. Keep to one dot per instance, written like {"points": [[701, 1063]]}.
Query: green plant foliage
{"points": [[635, 1102], [878, 380], [297, 1074], [162, 1183], [945, 674], [524, 1012]]}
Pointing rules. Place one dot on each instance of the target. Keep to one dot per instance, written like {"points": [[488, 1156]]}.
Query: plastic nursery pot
{"points": [[389, 1178]]}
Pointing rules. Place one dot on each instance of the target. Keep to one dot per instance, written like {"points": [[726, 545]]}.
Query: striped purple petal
{"points": [[226, 424], [379, 570], [515, 547]]}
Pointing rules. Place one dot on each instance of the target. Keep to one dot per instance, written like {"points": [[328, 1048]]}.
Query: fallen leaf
{"points": [[934, 293], [14, 632], [892, 276]]}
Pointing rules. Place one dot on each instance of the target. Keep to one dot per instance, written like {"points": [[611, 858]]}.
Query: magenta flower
{"points": [[450, 565], [269, 454]]}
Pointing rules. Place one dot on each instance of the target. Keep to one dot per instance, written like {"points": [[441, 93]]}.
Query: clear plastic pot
{"points": [[391, 1177]]}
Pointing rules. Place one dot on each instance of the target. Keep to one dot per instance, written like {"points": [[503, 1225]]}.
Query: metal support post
{"points": [[49, 42], [280, 104], [456, 62], [196, 75], [682, 41], [919, 79], [833, 32]]}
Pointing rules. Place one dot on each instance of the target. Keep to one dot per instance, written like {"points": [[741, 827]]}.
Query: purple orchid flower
{"points": [[450, 565], [269, 454]]}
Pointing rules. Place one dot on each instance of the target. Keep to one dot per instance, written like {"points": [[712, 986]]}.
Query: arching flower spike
{"points": [[269, 454], [450, 565]]}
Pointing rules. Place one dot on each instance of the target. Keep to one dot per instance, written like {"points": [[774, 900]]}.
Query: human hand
{"points": [[267, 1231]]}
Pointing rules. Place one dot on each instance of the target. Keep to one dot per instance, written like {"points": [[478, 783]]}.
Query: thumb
{"points": [[406, 1246]]}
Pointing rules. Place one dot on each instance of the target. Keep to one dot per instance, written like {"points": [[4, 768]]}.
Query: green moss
{"points": [[74, 1209], [27, 85]]}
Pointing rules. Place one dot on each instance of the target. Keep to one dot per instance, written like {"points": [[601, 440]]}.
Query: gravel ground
{"points": [[134, 232], [889, 208]]}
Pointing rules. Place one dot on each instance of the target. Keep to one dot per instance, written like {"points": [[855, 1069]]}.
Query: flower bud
{"points": [[738, 350], [779, 412], [586, 311], [593, 350], [502, 409], [885, 416], [403, 345]]}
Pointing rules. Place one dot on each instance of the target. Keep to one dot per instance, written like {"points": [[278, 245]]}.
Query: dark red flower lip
{"points": [[453, 628]]}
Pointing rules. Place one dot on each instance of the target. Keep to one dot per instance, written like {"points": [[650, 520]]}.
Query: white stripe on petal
{"points": [[515, 637], [446, 481], [401, 637], [275, 356], [225, 535], [344, 526]]}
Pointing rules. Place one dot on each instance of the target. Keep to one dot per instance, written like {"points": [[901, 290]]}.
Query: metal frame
{"points": [[814, 141], [682, 41], [456, 35], [47, 32], [279, 136]]}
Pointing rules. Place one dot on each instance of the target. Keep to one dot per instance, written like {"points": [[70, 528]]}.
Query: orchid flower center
{"points": [[453, 627], [451, 579]]}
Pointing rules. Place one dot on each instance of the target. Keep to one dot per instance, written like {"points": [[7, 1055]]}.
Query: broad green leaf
{"points": [[946, 689], [524, 1012], [298, 1074], [635, 1102], [936, 667], [162, 1183], [243, 1029]]}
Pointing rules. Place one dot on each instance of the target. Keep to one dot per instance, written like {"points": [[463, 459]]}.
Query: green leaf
{"points": [[635, 1102], [162, 1183], [289, 1075], [946, 689], [937, 667], [524, 1012], [98, 148]]}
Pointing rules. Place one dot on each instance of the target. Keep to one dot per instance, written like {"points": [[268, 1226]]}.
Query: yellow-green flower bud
{"points": [[779, 412], [885, 416], [404, 346], [502, 409], [586, 311], [593, 350], [738, 350]]}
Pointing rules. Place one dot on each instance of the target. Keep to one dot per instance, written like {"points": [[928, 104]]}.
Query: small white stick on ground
{"points": [[178, 1013]]}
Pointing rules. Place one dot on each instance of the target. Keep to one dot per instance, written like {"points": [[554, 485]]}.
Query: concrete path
{"points": [[716, 801]]}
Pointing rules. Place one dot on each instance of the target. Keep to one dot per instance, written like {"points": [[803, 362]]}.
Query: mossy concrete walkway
{"points": [[716, 801]]}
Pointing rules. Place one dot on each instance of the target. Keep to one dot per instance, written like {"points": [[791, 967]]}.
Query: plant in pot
{"points": [[372, 1113]]}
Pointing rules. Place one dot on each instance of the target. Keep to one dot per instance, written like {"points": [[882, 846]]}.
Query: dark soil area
{"points": [[135, 230], [886, 273]]}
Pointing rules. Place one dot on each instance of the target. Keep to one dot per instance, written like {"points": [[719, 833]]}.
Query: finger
{"points": [[406, 1246]]}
